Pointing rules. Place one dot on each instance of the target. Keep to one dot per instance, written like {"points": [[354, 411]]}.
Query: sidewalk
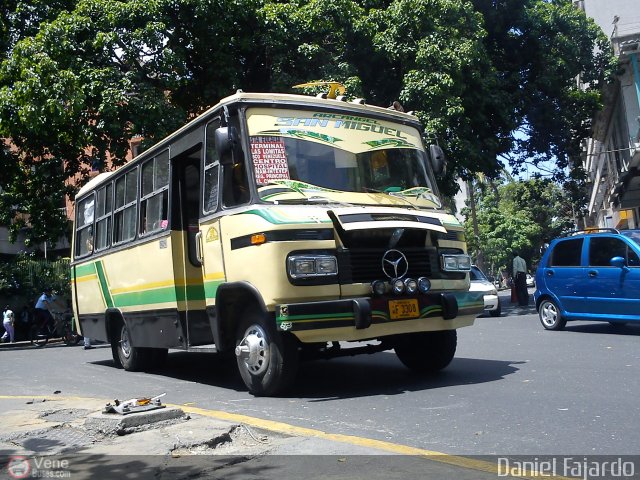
{"points": [[71, 438], [27, 343]]}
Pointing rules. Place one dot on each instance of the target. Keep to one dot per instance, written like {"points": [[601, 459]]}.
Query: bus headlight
{"points": [[456, 263], [303, 266]]}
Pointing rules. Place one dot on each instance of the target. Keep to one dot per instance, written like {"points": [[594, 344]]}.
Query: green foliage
{"points": [[28, 276], [520, 216], [80, 78]]}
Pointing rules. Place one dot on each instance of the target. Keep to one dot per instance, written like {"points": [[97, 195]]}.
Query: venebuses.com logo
{"points": [[20, 467]]}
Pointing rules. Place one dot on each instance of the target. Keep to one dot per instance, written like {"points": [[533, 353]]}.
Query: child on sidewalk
{"points": [[8, 321]]}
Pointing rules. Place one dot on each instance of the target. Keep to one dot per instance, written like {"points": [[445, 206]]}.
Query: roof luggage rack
{"points": [[591, 230]]}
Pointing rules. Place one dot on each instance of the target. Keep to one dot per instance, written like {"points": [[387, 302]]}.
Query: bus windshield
{"points": [[327, 154]]}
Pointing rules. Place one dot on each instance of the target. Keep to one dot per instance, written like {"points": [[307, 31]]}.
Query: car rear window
{"points": [[566, 253]]}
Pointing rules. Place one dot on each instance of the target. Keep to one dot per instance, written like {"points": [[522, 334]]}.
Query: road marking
{"points": [[285, 428]]}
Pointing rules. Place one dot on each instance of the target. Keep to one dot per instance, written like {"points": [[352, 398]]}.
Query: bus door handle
{"points": [[199, 246]]}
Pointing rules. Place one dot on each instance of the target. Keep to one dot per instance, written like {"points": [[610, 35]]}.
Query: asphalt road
{"points": [[513, 389]]}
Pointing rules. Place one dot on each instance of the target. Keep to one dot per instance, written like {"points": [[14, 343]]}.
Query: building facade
{"points": [[612, 155]]}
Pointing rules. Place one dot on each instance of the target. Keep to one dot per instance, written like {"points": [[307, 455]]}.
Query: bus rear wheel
{"points": [[267, 360], [427, 352], [125, 355]]}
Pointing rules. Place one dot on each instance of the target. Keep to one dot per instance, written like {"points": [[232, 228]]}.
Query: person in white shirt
{"points": [[8, 321], [520, 279]]}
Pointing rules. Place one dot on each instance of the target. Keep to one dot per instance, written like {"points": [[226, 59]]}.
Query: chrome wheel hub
{"points": [[253, 350], [549, 314], [125, 345]]}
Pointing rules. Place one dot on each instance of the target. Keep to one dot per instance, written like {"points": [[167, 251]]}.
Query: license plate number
{"points": [[400, 309]]}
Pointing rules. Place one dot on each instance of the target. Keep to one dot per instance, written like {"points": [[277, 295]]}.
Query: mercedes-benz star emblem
{"points": [[394, 264]]}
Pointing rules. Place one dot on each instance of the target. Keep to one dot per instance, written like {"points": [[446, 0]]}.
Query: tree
{"points": [[87, 75], [522, 216]]}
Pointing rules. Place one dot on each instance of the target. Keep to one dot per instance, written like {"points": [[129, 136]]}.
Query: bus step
{"points": [[211, 348]]}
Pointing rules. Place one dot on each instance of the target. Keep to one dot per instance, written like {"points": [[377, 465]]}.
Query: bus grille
{"points": [[364, 265]]}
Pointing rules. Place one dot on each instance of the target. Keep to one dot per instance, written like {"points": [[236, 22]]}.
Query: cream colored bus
{"points": [[275, 228]]}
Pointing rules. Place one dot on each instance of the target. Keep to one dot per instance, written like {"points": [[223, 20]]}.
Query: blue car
{"points": [[590, 275]]}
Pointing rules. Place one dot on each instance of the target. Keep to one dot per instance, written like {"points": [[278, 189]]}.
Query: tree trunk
{"points": [[474, 223]]}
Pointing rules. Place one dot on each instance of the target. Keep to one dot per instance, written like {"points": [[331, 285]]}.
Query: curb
{"points": [[26, 343]]}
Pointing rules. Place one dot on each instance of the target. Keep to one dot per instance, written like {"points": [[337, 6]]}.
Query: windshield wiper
{"points": [[316, 199]]}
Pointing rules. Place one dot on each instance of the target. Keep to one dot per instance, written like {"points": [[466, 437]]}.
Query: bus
{"points": [[275, 228]]}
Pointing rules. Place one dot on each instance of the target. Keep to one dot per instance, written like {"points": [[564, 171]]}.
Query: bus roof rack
{"points": [[591, 230]]}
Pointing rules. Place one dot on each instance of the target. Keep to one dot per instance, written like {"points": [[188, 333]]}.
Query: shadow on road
{"points": [[361, 376], [603, 328], [383, 374]]}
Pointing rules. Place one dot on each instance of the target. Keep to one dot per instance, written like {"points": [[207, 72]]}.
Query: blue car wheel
{"points": [[550, 315]]}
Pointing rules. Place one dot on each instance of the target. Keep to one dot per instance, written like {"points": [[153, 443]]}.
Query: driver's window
{"points": [[211, 188]]}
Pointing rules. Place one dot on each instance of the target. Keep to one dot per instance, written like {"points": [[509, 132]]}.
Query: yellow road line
{"points": [[287, 429]]}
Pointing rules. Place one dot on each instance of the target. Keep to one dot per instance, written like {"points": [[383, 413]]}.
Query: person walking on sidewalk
{"points": [[520, 279], [8, 322]]}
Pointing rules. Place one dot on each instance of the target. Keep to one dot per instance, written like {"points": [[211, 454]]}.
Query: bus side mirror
{"points": [[226, 139], [438, 160]]}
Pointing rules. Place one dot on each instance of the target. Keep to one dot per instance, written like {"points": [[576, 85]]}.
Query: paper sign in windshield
{"points": [[269, 159]]}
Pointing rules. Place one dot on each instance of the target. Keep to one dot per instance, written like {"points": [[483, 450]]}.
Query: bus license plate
{"points": [[400, 309]]}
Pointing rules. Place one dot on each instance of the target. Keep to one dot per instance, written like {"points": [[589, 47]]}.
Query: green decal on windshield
{"points": [[303, 134], [390, 142]]}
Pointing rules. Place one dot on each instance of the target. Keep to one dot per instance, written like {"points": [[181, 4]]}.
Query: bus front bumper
{"points": [[373, 317]]}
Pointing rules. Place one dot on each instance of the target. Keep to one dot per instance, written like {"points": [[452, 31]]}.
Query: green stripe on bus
{"points": [[85, 270], [319, 318], [211, 288], [102, 278], [145, 297], [158, 295]]}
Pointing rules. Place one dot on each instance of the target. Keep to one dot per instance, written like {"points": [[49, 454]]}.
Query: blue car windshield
{"points": [[633, 235]]}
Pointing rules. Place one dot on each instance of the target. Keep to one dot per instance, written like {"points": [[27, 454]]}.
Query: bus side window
{"points": [[84, 226], [155, 194], [124, 216], [103, 218]]}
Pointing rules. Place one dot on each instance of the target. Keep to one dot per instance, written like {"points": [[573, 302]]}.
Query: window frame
{"points": [[106, 217], [552, 257], [156, 191], [126, 206], [211, 167], [85, 226], [627, 247]]}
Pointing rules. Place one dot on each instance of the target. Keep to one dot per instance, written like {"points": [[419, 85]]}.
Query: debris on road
{"points": [[135, 405]]}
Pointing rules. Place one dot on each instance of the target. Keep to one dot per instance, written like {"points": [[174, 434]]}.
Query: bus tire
{"points": [[267, 360], [427, 352], [125, 355]]}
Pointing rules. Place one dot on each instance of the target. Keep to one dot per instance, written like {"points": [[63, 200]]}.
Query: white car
{"points": [[480, 283], [530, 281]]}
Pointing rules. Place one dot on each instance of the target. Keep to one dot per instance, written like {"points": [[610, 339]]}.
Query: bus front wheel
{"points": [[126, 355], [267, 360]]}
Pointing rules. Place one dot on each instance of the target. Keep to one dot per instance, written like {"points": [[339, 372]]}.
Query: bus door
{"points": [[209, 237], [187, 265]]}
